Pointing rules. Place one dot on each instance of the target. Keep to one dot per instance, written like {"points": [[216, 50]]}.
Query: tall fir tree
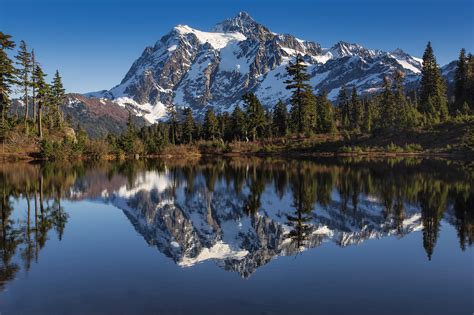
{"points": [[33, 83], [344, 108], [24, 71], [400, 102], [367, 120], [7, 74], [58, 97], [460, 83], [387, 107], [325, 113], [43, 92], [355, 113], [210, 127], [299, 86], [173, 121], [433, 103], [239, 123], [255, 114], [280, 119], [188, 125]]}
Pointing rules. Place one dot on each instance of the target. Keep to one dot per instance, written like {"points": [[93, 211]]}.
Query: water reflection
{"points": [[240, 213]]}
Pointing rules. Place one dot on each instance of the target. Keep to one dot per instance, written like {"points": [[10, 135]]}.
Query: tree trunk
{"points": [[26, 105], [40, 128]]}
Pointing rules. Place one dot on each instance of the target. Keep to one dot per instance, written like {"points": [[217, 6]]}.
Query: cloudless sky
{"points": [[94, 43]]}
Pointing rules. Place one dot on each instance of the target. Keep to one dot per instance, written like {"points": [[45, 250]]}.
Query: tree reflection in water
{"points": [[335, 193]]}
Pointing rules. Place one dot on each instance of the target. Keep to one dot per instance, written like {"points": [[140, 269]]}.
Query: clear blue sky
{"points": [[93, 43]]}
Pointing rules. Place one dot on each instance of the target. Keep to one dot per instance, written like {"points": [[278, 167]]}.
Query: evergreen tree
{"points": [[255, 114], [344, 108], [400, 111], [433, 102], [127, 140], [33, 83], [238, 123], [58, 97], [280, 119], [188, 126], [299, 86], [7, 74], [460, 83], [24, 61], [470, 83], [42, 96], [325, 114], [355, 110], [388, 107], [366, 126], [173, 121], [210, 127]]}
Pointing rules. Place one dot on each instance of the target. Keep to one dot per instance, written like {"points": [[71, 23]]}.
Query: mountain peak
{"points": [[242, 23]]}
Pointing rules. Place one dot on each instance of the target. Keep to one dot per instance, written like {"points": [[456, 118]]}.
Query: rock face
{"points": [[196, 69]]}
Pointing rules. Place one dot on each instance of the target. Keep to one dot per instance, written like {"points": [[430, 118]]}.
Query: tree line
{"points": [[390, 110], [42, 101]]}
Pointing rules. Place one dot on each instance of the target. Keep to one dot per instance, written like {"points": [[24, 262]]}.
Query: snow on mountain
{"points": [[213, 69], [195, 224]]}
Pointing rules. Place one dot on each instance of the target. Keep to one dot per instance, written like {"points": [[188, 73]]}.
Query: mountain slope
{"points": [[201, 70]]}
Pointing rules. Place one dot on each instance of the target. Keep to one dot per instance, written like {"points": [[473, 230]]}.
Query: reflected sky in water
{"points": [[253, 236]]}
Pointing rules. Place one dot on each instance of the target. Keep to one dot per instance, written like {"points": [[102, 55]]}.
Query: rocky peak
{"points": [[245, 24]]}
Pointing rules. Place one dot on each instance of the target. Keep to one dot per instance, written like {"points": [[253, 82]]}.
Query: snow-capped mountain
{"points": [[194, 224], [201, 69]]}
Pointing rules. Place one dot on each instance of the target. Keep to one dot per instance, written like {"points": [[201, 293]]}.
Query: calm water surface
{"points": [[240, 236]]}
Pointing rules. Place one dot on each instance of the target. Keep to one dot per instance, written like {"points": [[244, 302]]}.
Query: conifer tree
{"points": [[210, 127], [470, 83], [33, 84], [58, 97], [344, 108], [173, 121], [400, 120], [325, 113], [280, 119], [24, 71], [42, 96], [188, 126], [299, 86], [7, 74], [239, 123], [355, 116], [255, 114], [388, 107], [366, 126], [433, 102], [460, 83]]}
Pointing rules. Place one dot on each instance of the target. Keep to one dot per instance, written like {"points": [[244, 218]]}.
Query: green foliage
{"points": [[255, 115], [433, 102], [210, 127], [280, 119]]}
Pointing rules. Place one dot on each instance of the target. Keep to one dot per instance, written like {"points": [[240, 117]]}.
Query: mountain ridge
{"points": [[213, 69]]}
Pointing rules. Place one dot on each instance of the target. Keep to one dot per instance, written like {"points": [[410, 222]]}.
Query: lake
{"points": [[238, 236]]}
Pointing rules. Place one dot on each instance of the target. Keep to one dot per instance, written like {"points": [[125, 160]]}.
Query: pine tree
{"points": [[433, 102], [344, 108], [460, 83], [366, 126], [400, 111], [299, 86], [33, 84], [173, 121], [238, 123], [388, 107], [355, 110], [325, 113], [58, 97], [470, 82], [24, 61], [255, 114], [280, 119], [210, 127], [7, 74], [188, 126], [42, 96]]}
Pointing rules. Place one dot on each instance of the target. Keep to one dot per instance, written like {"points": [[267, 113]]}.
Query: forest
{"points": [[429, 119]]}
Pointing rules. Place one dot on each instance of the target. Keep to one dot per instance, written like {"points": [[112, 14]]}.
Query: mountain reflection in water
{"points": [[240, 213]]}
